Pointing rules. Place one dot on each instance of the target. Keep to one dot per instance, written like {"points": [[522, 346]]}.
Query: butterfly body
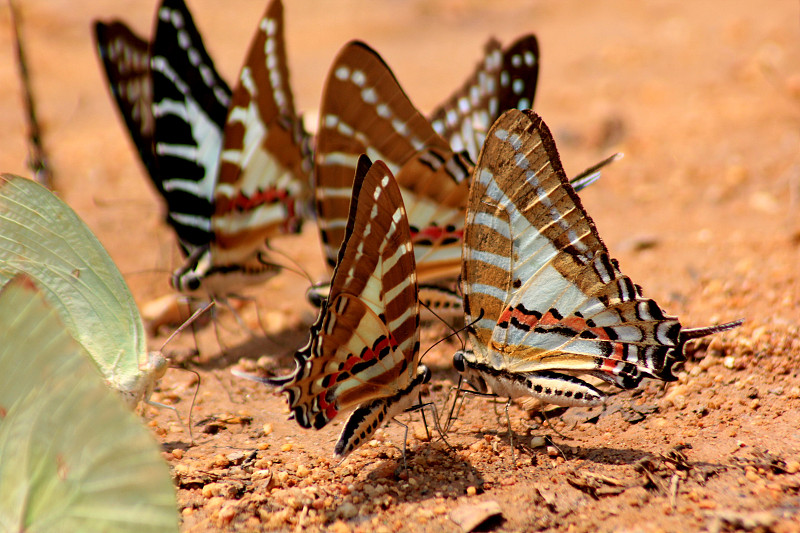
{"points": [[544, 300], [363, 351]]}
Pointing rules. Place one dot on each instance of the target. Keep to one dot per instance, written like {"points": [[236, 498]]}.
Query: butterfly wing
{"points": [[364, 111], [72, 458], [190, 104], [503, 80], [546, 295], [42, 237], [265, 165], [364, 348], [126, 59]]}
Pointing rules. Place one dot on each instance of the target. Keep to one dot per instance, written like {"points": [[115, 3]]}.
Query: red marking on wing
{"points": [[435, 233], [329, 408], [244, 203]]}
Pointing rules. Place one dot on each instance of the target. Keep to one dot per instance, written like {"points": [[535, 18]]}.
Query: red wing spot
{"points": [[328, 408], [435, 234], [370, 354], [243, 203]]}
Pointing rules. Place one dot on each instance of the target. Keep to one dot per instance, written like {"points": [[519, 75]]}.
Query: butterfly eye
{"points": [[458, 361], [193, 284]]}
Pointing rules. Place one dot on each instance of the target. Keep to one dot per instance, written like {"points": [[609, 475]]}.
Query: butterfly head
{"points": [[464, 362], [203, 276]]}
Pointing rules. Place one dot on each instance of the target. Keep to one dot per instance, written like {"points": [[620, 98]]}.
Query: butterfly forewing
{"points": [[503, 80], [265, 163], [126, 59], [364, 111], [537, 277], [190, 104], [364, 348]]}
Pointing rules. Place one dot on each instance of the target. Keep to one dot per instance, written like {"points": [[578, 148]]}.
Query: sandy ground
{"points": [[704, 100]]}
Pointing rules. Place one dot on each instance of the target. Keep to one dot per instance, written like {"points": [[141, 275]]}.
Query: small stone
{"points": [[339, 527], [472, 491], [792, 467], [227, 513], [267, 429], [287, 447], [538, 442], [302, 471], [177, 453], [751, 476], [347, 510], [258, 475], [552, 451], [729, 362], [470, 516]]}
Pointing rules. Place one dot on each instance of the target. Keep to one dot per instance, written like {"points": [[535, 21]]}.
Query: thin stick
{"points": [[37, 157]]}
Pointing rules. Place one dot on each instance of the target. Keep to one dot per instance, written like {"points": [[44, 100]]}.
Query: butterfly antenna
{"points": [[455, 332], [188, 322], [299, 270]]}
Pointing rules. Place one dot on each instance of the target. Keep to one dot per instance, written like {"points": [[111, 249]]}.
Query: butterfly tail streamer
{"points": [[592, 174]]}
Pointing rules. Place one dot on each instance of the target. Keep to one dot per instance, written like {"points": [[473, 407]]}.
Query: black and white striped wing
{"points": [[190, 104]]}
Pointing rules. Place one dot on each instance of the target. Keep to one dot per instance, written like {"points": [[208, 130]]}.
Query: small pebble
{"points": [[538, 442], [729, 362], [287, 447]]}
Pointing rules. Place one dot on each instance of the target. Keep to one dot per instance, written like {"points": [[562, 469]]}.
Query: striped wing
{"points": [[364, 348], [265, 164], [126, 60], [365, 111], [547, 298], [190, 104], [504, 80]]}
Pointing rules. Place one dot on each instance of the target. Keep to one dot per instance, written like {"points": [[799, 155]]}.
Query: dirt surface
{"points": [[704, 100]]}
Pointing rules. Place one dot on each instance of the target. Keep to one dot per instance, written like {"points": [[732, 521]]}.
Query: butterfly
{"points": [[544, 301], [233, 167], [72, 457], [364, 110], [363, 350], [43, 237]]}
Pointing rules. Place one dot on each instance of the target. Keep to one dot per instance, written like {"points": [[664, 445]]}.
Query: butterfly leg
{"points": [[178, 416], [405, 439], [421, 406], [510, 434]]}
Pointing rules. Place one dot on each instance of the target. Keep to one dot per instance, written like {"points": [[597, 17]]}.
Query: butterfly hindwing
{"points": [[363, 351]]}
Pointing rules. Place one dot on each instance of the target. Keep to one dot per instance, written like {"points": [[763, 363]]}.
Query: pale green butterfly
{"points": [[43, 237], [72, 457]]}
